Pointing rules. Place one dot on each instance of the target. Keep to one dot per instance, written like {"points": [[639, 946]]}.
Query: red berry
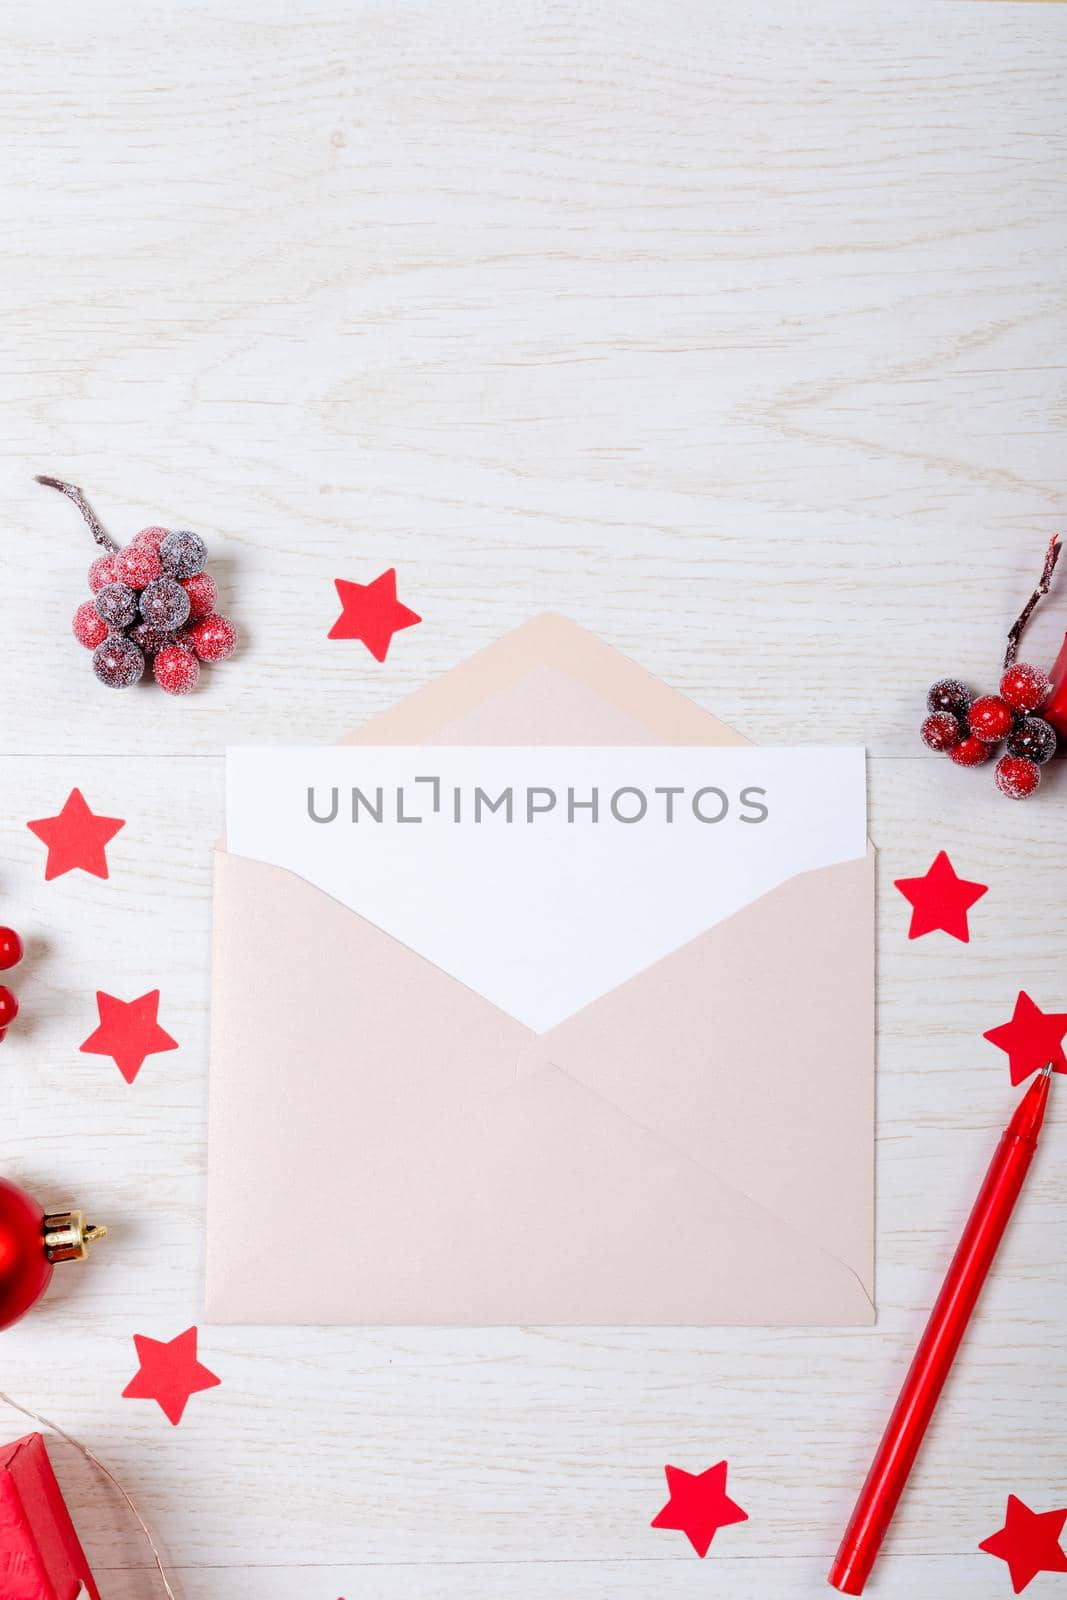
{"points": [[149, 639], [203, 595], [10, 949], [9, 1007], [948, 694], [89, 628], [176, 670], [3, 1035], [214, 639], [150, 538], [138, 565], [183, 553], [1033, 738], [117, 662], [1025, 688], [940, 731], [101, 573], [1017, 777], [164, 604], [970, 752], [117, 604], [989, 719]]}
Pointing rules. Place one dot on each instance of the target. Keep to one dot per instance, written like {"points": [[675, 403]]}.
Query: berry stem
{"points": [[72, 492], [1052, 555]]}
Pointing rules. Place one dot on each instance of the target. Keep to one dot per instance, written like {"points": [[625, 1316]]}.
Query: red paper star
{"points": [[169, 1373], [940, 900], [371, 612], [128, 1032], [1029, 1542], [699, 1505], [76, 838], [1031, 1039]]}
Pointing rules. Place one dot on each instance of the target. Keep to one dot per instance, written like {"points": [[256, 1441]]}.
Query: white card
{"points": [[544, 877]]}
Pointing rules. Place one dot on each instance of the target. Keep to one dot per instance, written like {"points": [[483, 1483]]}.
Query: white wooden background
{"points": [[738, 334]]}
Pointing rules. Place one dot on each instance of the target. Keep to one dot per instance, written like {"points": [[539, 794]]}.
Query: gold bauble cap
{"points": [[67, 1236]]}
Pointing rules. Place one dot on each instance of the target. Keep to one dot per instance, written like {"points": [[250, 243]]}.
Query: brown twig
{"points": [[1052, 555], [72, 492]]}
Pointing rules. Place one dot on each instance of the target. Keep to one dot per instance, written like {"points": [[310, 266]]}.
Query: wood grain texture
{"points": [[740, 339]]}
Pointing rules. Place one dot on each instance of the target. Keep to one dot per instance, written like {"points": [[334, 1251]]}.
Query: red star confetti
{"points": [[372, 613], [76, 838], [128, 1032], [1031, 1039], [940, 900], [1029, 1542], [169, 1373], [698, 1506]]}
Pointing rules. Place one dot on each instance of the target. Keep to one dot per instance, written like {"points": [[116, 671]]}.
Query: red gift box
{"points": [[40, 1555]]}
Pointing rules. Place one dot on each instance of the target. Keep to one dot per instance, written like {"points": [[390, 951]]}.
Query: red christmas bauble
{"points": [[31, 1243], [25, 1270]]}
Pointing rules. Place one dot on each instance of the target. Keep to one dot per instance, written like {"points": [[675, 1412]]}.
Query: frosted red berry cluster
{"points": [[969, 728], [154, 604]]}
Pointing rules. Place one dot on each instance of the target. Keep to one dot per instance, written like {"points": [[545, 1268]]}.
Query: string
{"points": [[1052, 555], [84, 1450]]}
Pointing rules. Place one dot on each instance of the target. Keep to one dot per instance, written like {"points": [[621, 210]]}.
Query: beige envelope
{"points": [[695, 1147]]}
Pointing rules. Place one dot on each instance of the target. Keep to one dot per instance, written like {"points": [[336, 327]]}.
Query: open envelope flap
{"points": [[469, 1182], [547, 682]]}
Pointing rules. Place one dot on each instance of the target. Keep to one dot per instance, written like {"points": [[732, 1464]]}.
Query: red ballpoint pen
{"points": [[937, 1348]]}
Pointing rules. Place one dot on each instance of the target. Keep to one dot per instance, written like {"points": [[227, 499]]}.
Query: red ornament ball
{"points": [[970, 752], [9, 1007], [1017, 777], [150, 538], [25, 1270], [989, 719], [10, 949], [138, 566], [203, 595], [940, 731], [89, 628], [1024, 687], [214, 639], [101, 573], [948, 694], [176, 670]]}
